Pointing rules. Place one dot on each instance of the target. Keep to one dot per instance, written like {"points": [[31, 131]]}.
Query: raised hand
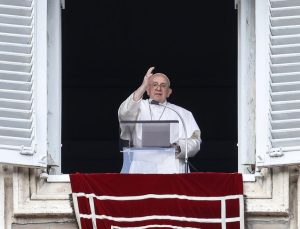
{"points": [[138, 94], [147, 78]]}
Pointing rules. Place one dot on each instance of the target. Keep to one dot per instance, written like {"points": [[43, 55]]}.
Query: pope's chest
{"points": [[154, 112]]}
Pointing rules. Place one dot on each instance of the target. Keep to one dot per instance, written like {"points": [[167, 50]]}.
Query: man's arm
{"points": [[138, 94], [193, 137], [193, 145], [129, 108]]}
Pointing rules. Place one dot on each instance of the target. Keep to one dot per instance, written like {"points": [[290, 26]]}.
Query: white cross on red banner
{"points": [[144, 201]]}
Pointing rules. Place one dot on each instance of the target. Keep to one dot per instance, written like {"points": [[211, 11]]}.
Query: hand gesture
{"points": [[138, 94], [148, 78]]}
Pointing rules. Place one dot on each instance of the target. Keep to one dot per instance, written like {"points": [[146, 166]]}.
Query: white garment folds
{"points": [[160, 162], [141, 160]]}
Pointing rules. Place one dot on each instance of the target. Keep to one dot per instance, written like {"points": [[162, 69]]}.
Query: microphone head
{"points": [[154, 102]]}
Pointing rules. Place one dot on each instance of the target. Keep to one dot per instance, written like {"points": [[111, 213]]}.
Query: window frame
{"points": [[246, 85], [54, 85], [252, 144]]}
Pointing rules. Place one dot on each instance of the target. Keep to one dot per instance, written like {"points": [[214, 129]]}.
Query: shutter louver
{"points": [[16, 86], [285, 82]]}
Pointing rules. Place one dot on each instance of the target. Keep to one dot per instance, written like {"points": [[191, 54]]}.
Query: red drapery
{"points": [[194, 200]]}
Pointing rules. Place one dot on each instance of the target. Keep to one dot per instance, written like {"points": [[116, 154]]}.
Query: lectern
{"points": [[147, 147]]}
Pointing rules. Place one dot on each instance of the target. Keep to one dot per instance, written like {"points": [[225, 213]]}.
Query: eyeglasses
{"points": [[162, 85]]}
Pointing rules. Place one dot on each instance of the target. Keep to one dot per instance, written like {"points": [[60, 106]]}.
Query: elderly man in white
{"points": [[134, 107]]}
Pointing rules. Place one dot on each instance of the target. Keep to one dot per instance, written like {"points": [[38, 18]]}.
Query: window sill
{"points": [[65, 178], [249, 177]]}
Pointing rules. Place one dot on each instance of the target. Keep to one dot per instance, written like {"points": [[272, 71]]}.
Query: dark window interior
{"points": [[108, 46]]}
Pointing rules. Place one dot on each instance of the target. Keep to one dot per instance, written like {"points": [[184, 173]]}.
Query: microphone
{"points": [[154, 102]]}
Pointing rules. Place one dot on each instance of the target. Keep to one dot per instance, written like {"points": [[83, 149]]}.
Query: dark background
{"points": [[108, 45]]}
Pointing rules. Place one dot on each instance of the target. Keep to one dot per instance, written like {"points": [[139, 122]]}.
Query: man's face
{"points": [[159, 88]]}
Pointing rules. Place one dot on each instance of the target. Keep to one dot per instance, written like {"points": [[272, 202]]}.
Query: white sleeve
{"points": [[193, 145], [129, 109]]}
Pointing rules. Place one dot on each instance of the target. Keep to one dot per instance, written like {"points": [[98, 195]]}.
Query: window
{"points": [[30, 84], [114, 42]]}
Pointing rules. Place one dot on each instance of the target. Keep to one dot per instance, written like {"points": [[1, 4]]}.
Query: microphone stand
{"points": [[185, 132]]}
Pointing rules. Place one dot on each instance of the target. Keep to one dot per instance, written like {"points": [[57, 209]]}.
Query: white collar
{"points": [[164, 103]]}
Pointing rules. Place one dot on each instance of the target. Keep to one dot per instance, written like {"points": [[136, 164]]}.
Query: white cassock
{"points": [[159, 162]]}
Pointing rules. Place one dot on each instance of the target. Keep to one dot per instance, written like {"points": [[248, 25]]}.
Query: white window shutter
{"points": [[282, 145], [23, 82]]}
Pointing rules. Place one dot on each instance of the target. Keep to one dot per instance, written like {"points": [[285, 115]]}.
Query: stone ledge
{"points": [[46, 226]]}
